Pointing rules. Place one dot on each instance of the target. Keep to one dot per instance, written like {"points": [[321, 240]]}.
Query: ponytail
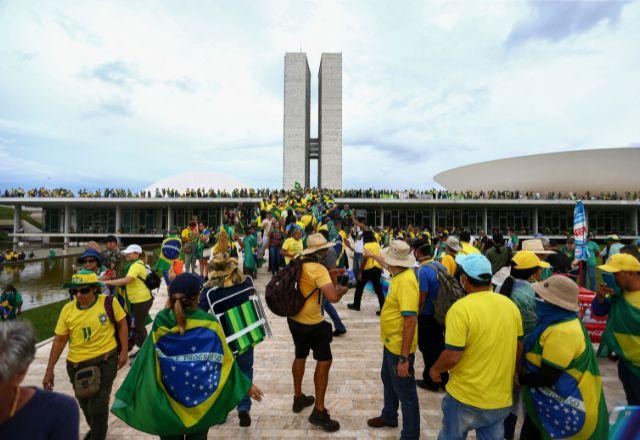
{"points": [[177, 304]]}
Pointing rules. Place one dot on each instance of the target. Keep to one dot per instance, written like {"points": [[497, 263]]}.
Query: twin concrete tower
{"points": [[299, 147]]}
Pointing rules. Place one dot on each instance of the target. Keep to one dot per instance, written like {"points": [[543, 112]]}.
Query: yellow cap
{"points": [[621, 262], [528, 260]]}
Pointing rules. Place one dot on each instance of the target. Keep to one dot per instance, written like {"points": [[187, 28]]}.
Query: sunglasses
{"points": [[89, 260], [84, 291]]}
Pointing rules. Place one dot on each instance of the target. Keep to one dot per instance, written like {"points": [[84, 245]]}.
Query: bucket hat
{"points": [[82, 279], [398, 254], [453, 243], [560, 291], [535, 245], [90, 253], [316, 242]]}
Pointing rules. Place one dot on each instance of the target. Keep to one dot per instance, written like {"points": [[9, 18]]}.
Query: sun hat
{"points": [[560, 291], [535, 245], [316, 242], [453, 243], [528, 260], [132, 248], [612, 237], [90, 253], [476, 266], [620, 263], [186, 283], [398, 254], [82, 279]]}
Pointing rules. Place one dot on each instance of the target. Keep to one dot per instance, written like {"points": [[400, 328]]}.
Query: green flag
{"points": [[181, 384]]}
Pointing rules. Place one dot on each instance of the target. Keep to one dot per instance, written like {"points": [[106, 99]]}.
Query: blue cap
{"points": [[90, 253], [475, 266]]}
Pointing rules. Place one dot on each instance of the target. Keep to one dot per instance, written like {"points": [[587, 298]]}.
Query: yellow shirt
{"points": [[449, 262], [402, 300], [90, 330], [484, 376], [561, 343], [374, 248], [187, 235], [137, 291], [292, 245], [633, 298], [313, 276], [467, 249]]}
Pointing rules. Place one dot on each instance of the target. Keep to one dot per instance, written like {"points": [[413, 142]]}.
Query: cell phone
{"points": [[610, 280]]}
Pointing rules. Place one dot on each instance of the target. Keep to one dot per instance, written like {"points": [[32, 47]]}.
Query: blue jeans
{"points": [[400, 390], [274, 259], [357, 259], [459, 419], [245, 362], [333, 314]]}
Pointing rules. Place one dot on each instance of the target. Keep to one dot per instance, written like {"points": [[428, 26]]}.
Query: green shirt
{"points": [[593, 250]]}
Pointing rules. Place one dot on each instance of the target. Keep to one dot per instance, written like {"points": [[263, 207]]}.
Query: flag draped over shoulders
{"points": [[622, 334], [180, 384]]}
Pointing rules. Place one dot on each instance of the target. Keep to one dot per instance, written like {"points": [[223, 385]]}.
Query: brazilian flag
{"points": [[574, 407], [181, 384]]}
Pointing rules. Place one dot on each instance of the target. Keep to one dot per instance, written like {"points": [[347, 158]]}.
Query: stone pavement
{"points": [[353, 396]]}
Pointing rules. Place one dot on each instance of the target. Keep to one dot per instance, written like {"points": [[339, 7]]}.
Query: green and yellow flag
{"points": [[181, 384]]}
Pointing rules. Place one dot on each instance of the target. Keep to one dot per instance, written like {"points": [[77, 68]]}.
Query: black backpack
{"points": [[283, 294], [108, 306], [152, 281]]}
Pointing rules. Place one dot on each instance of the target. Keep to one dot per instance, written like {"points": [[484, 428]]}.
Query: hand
{"points": [[603, 291], [255, 393], [47, 381], [435, 376], [342, 289], [122, 358], [403, 369]]}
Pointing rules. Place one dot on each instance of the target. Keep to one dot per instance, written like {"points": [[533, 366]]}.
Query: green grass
{"points": [[7, 214], [44, 318]]}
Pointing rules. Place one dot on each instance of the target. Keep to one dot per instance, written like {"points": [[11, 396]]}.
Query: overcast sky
{"points": [[125, 93]]}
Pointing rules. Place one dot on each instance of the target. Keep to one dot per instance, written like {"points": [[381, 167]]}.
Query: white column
{"points": [[159, 220], [118, 219], [17, 224], [433, 221], [382, 217], [634, 221], [535, 221], [485, 220], [67, 225], [169, 217]]}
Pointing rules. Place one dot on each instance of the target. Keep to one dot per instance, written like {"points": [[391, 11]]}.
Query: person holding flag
{"points": [[562, 392], [185, 379]]}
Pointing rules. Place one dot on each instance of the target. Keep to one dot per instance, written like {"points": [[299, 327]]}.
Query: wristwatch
{"points": [[403, 359]]}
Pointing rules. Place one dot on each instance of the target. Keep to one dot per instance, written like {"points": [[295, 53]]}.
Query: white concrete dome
{"points": [[197, 179], [606, 170]]}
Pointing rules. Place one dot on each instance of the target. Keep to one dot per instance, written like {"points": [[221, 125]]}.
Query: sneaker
{"points": [[353, 307], [427, 386], [245, 418], [300, 403], [377, 422], [339, 332], [321, 418]]}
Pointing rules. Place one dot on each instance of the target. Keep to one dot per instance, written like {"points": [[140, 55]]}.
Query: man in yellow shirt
{"points": [[452, 247], [88, 326], [311, 332], [292, 246], [465, 243], [138, 295], [399, 335], [482, 347]]}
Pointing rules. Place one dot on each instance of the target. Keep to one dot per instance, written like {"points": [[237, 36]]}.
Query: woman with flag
{"points": [[562, 385], [184, 379]]}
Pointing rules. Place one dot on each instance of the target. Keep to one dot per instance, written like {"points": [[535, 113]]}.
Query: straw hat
{"points": [[398, 254], [560, 291], [316, 242], [535, 245]]}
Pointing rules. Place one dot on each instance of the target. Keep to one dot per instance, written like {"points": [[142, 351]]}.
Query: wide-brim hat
{"points": [[90, 253], [82, 279], [316, 242], [535, 245], [398, 254], [559, 290], [453, 243]]}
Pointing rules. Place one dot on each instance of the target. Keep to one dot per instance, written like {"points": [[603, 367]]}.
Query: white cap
{"points": [[132, 248]]}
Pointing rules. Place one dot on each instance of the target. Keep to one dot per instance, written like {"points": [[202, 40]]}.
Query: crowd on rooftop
{"points": [[369, 193]]}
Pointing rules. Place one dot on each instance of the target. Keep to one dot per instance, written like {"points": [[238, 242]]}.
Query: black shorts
{"points": [[316, 337]]}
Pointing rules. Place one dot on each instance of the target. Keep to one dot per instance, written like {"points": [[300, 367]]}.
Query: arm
{"points": [[601, 305], [333, 294], [59, 342], [519, 355], [123, 336], [408, 331], [447, 360], [120, 281]]}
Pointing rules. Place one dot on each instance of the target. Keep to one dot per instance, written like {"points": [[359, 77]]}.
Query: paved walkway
{"points": [[353, 396]]}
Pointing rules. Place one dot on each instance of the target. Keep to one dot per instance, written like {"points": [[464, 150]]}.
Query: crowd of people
{"points": [[495, 319], [370, 193]]}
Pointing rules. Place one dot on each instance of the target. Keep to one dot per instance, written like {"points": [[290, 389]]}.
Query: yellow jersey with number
{"points": [[90, 330]]}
